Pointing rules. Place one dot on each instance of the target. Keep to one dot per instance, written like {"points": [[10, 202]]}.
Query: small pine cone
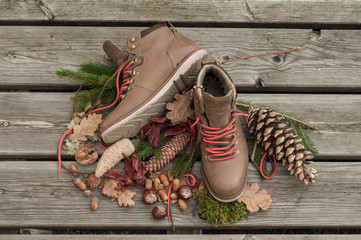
{"points": [[169, 151], [275, 135]]}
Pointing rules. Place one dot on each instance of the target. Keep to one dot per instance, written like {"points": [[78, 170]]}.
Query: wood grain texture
{"points": [[36, 121], [313, 12], [26, 201], [181, 237], [324, 62]]}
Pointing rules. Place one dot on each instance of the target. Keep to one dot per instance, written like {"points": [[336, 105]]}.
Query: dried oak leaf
{"points": [[93, 182], [180, 109], [108, 186], [125, 198], [86, 155], [255, 199], [87, 127]]}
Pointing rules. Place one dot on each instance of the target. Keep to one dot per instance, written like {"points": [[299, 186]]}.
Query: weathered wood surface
{"points": [[324, 63], [36, 121], [312, 13], [182, 237], [26, 201]]}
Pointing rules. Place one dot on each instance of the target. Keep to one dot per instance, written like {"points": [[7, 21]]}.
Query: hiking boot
{"points": [[222, 142], [157, 63]]}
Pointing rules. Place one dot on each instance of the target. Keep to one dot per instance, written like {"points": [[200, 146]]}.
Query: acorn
{"points": [[174, 196], [149, 196], [74, 169], [94, 203], [160, 186], [80, 184], [164, 179], [185, 192], [169, 175], [201, 187], [176, 184], [87, 193], [163, 194], [148, 184], [156, 183], [159, 212], [182, 204]]}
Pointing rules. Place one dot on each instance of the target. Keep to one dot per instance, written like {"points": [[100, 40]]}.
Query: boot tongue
{"points": [[218, 109]]}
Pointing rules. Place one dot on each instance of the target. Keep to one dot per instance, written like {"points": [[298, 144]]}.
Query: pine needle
{"points": [[94, 75], [82, 77], [97, 68], [144, 150], [257, 152], [157, 153], [297, 129], [184, 162]]}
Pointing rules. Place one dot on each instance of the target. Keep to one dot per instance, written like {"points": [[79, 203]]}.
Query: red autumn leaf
{"points": [[181, 128], [152, 130], [116, 176], [131, 167], [176, 130], [158, 120], [125, 185]]}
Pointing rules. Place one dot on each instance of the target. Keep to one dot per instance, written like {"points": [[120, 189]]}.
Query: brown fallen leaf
{"points": [[180, 109], [93, 182], [108, 188], [87, 127], [255, 199], [125, 197]]}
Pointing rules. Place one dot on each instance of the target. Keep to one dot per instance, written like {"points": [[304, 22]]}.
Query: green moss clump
{"points": [[219, 213]]}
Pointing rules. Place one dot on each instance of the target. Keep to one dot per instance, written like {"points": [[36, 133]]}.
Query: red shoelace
{"points": [[120, 95], [191, 184], [224, 137]]}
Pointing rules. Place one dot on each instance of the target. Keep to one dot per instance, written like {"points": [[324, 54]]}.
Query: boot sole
{"points": [[184, 75], [219, 198]]}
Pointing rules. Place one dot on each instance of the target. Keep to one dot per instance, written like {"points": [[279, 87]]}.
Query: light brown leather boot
{"points": [[158, 62], [222, 142]]}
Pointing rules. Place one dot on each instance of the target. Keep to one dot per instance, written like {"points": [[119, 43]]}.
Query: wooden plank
{"points": [[181, 237], [312, 13], [324, 62], [332, 202], [36, 121]]}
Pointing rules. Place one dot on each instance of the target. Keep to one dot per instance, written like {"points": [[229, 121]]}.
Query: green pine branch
{"points": [[184, 162], [255, 154], [97, 68], [144, 150], [93, 75], [298, 129], [78, 76]]}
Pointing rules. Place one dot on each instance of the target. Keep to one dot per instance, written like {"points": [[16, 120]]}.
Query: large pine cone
{"points": [[274, 134], [169, 151]]}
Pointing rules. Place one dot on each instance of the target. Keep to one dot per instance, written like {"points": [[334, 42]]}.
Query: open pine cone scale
{"points": [[275, 135]]}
